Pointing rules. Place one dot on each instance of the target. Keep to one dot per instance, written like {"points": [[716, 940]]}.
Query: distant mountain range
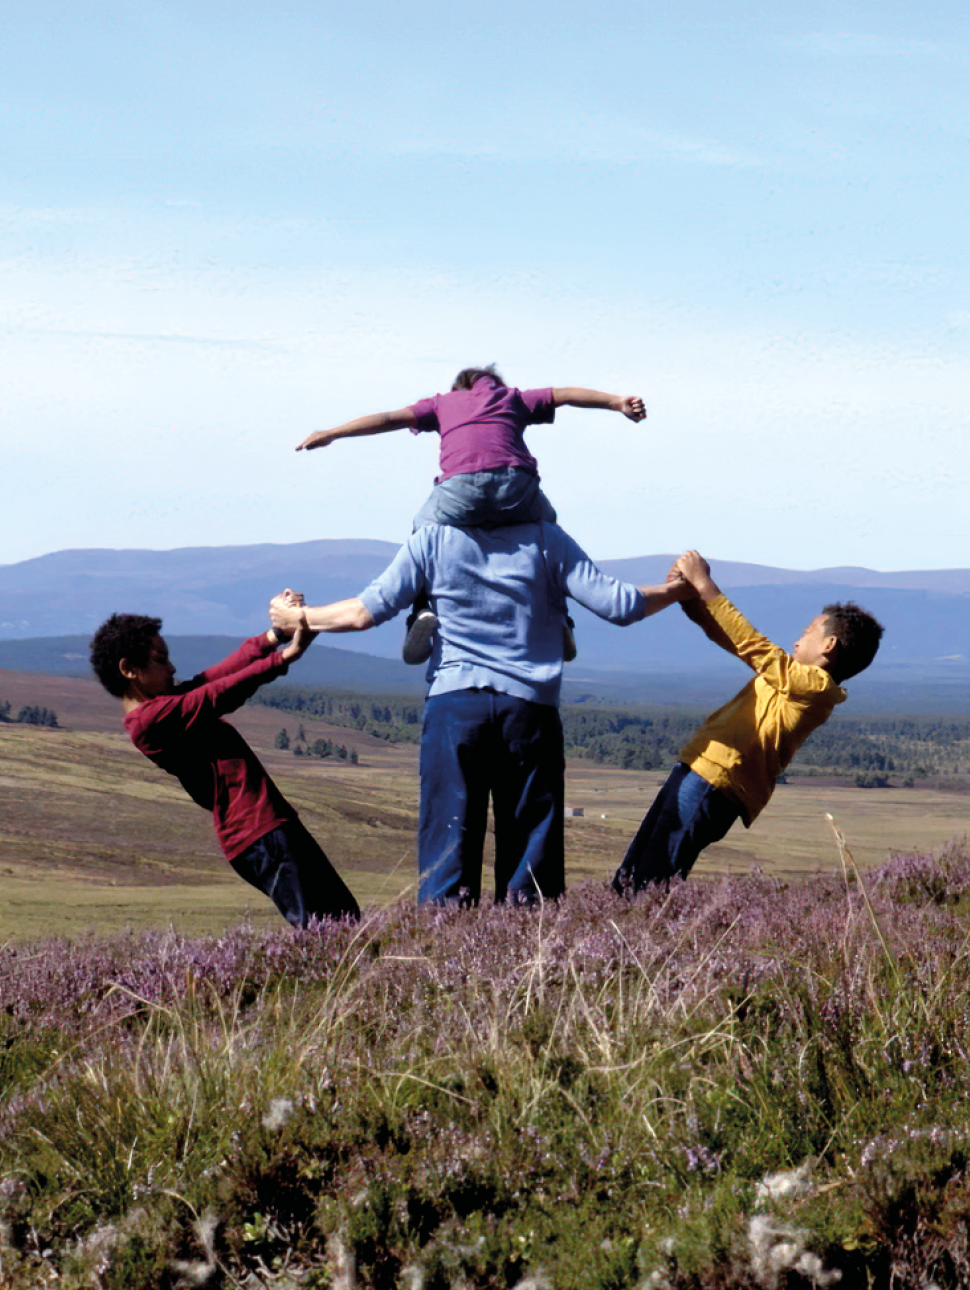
{"points": [[223, 591]]}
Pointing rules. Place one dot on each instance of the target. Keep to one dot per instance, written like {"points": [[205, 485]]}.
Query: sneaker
{"points": [[417, 643], [569, 650]]}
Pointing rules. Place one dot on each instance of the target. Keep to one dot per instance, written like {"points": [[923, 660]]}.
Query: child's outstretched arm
{"points": [[631, 405], [374, 423], [726, 626], [299, 642], [694, 569]]}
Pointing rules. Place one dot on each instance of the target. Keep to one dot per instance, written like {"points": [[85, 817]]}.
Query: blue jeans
{"points": [[288, 865], [487, 499], [687, 815], [476, 743]]}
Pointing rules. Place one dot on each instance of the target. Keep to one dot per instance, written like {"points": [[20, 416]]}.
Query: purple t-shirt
{"points": [[481, 428]]}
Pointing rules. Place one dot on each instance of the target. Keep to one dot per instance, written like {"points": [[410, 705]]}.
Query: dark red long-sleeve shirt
{"points": [[184, 734]]}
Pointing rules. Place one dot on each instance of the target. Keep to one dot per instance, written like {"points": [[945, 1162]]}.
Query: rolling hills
{"points": [[50, 605]]}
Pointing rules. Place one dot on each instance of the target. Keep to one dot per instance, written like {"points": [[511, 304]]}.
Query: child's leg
{"points": [[450, 502], [487, 499], [484, 499], [288, 865], [688, 814], [428, 514], [516, 498], [421, 623], [421, 626]]}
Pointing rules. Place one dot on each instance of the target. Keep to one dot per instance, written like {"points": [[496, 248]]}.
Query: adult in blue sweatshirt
{"points": [[491, 720]]}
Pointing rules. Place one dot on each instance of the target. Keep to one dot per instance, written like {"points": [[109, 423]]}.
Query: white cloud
{"points": [[789, 448]]}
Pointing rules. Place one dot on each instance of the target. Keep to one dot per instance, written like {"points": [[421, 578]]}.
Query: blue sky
{"points": [[225, 225]]}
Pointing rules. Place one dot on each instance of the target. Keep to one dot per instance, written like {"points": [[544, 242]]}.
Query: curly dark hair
{"points": [[127, 636], [858, 635], [467, 377]]}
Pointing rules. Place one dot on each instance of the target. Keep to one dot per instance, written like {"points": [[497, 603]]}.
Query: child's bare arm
{"points": [[374, 423], [299, 642], [631, 405]]}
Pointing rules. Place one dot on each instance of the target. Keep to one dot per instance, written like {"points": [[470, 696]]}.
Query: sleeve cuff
{"points": [[375, 605]]}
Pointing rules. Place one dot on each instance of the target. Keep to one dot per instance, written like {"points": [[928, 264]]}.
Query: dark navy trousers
{"points": [[476, 744], [687, 815], [289, 865]]}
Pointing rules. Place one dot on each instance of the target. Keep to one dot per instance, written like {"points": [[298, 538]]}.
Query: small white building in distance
{"points": [[574, 812]]}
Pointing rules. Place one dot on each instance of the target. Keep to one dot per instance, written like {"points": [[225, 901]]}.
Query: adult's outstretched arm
{"points": [[342, 616], [618, 602], [676, 591]]}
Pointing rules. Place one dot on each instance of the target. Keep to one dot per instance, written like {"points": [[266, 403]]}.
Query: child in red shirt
{"points": [[180, 728]]}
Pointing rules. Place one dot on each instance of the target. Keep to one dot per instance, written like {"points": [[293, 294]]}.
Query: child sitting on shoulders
{"points": [[488, 478], [729, 769]]}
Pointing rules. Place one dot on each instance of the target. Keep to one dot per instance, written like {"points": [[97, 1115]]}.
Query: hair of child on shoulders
{"points": [[858, 635], [123, 636], [467, 377]]}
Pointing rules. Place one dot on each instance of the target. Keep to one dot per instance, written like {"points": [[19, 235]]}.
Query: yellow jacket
{"points": [[743, 747]]}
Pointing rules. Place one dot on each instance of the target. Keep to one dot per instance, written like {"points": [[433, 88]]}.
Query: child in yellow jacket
{"points": [[729, 768]]}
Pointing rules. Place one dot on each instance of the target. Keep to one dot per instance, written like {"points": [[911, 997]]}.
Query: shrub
{"points": [[708, 1087]]}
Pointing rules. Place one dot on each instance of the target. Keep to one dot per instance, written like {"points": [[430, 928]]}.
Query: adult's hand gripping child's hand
{"points": [[285, 613], [697, 572]]}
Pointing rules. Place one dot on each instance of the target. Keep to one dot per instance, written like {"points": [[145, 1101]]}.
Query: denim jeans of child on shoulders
{"points": [[477, 743], [688, 814], [487, 499]]}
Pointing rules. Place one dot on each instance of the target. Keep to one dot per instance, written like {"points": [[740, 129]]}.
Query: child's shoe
{"points": [[568, 640], [417, 643]]}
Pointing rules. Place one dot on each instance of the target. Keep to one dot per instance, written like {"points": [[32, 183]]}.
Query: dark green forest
{"points": [[29, 715], [387, 716], [870, 751]]}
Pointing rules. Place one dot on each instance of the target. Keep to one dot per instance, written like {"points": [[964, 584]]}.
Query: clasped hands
{"points": [[288, 618], [694, 571]]}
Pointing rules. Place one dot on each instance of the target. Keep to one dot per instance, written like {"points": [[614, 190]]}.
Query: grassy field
{"points": [[739, 1084], [93, 836], [745, 1083]]}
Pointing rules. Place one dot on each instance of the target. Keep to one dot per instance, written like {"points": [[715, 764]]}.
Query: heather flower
{"points": [[458, 1078], [701, 1159]]}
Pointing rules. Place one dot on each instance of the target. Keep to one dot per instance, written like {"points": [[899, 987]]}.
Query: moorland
{"points": [[93, 836], [742, 1084], [754, 1081]]}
